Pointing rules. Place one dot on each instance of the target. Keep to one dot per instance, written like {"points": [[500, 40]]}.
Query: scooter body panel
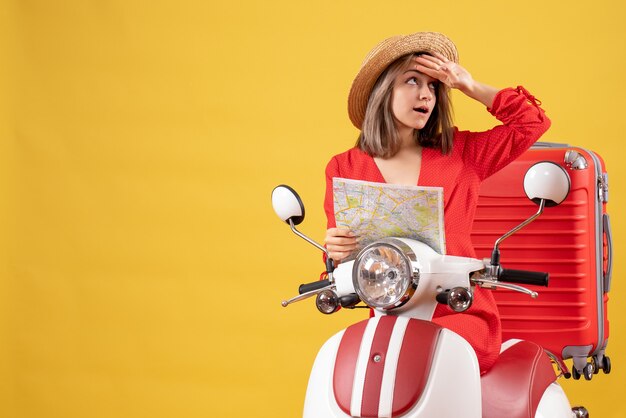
{"points": [[554, 404], [451, 389]]}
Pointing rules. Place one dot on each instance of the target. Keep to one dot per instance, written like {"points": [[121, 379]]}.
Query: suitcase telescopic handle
{"points": [[537, 278], [543, 144]]}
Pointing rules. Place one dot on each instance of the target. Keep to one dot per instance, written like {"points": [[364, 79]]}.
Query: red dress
{"points": [[474, 157]]}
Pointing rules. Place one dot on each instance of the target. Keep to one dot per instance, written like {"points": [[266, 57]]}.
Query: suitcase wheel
{"points": [[604, 364], [587, 372]]}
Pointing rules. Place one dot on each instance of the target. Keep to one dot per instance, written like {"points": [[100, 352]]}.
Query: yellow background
{"points": [[141, 265]]}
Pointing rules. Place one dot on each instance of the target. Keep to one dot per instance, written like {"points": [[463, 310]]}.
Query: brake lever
{"points": [[306, 295], [493, 284]]}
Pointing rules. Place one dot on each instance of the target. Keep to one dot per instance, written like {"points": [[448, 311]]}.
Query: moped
{"points": [[398, 363]]}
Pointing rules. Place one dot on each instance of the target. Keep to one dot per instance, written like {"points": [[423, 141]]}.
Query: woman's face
{"points": [[413, 99]]}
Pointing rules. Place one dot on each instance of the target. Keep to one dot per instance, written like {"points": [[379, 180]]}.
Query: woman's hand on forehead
{"points": [[455, 76], [441, 68]]}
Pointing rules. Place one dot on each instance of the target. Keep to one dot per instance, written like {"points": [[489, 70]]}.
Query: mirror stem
{"points": [[307, 239], [495, 255], [330, 265]]}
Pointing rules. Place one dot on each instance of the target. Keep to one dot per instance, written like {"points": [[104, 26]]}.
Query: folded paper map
{"points": [[378, 210]]}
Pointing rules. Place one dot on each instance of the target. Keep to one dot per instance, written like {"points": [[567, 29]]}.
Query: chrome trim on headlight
{"points": [[392, 296]]}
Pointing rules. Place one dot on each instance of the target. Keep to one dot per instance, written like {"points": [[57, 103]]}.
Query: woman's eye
{"points": [[412, 80], [432, 86]]}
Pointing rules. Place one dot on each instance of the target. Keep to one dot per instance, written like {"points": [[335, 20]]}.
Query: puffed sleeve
{"points": [[523, 123]]}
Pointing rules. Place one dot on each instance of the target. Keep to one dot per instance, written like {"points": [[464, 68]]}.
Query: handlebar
{"points": [[316, 285], [536, 278]]}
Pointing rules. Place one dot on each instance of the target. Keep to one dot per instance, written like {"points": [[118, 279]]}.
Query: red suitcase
{"points": [[571, 241]]}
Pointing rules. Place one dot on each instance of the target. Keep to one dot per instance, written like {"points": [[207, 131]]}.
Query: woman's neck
{"points": [[407, 139], [404, 166]]}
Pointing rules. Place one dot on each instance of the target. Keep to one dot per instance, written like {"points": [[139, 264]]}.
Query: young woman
{"points": [[399, 101]]}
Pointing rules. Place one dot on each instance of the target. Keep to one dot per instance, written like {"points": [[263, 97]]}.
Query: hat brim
{"points": [[384, 54]]}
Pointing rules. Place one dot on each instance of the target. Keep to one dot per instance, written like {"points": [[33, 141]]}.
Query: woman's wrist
{"points": [[481, 92]]}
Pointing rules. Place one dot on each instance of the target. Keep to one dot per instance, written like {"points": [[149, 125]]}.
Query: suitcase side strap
{"points": [[606, 226]]}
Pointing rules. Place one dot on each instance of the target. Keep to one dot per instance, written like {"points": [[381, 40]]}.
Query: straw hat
{"points": [[384, 54]]}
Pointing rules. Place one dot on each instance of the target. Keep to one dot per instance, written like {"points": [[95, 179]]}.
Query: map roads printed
{"points": [[378, 210]]}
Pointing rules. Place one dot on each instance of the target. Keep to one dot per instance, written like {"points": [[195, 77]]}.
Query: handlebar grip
{"points": [[307, 287], [537, 278]]}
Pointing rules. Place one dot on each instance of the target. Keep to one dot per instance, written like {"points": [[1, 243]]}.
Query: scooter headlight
{"points": [[383, 275]]}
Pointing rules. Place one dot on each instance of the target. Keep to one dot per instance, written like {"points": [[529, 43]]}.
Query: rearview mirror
{"points": [[287, 204], [547, 181]]}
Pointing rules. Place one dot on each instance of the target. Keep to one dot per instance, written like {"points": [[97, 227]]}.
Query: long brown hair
{"points": [[379, 135]]}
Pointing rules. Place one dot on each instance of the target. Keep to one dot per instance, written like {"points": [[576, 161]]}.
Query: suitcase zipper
{"points": [[602, 280]]}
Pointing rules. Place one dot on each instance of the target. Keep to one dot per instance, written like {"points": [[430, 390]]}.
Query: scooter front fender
{"points": [[450, 388]]}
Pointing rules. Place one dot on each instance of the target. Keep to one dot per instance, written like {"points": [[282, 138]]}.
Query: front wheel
{"points": [[580, 412]]}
